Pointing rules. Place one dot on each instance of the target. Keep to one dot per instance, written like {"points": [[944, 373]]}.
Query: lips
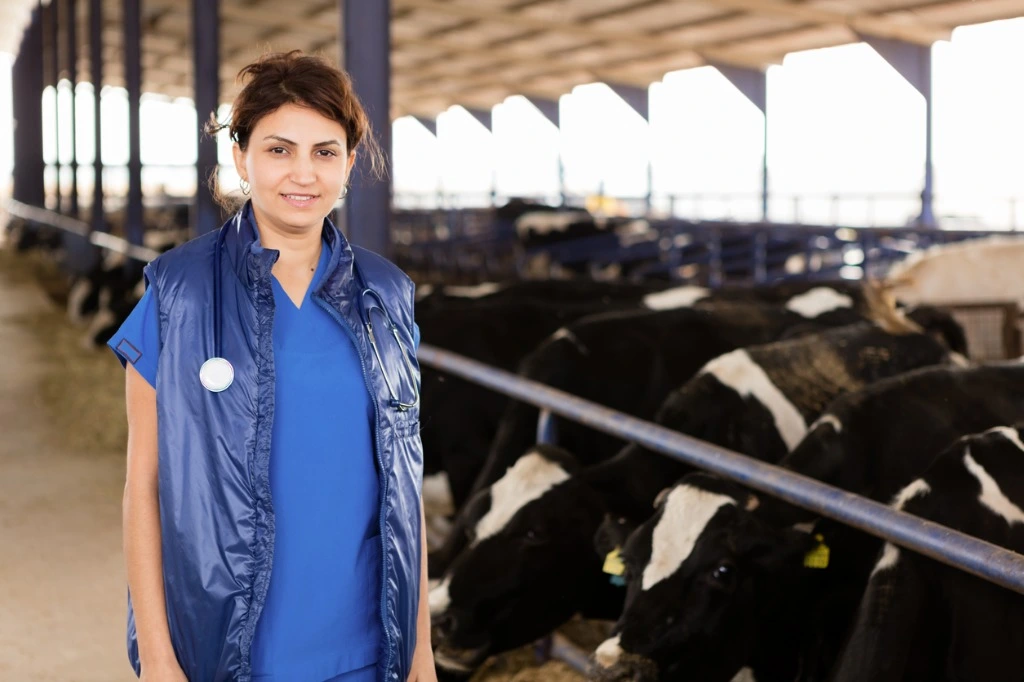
{"points": [[300, 200]]}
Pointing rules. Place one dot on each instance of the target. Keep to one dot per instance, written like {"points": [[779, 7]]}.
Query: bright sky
{"points": [[842, 121]]}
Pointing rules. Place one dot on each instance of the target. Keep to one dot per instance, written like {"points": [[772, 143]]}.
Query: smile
{"points": [[300, 200]]}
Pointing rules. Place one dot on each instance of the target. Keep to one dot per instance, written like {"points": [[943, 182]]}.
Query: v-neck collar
{"points": [[325, 256]]}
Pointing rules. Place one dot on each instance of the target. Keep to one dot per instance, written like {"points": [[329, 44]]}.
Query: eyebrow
{"points": [[326, 143]]}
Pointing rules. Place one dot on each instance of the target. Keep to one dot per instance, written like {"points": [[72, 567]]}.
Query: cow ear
{"points": [[611, 534], [660, 499], [773, 549]]}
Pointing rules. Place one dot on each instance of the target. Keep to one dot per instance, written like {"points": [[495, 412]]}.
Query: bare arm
{"points": [[423, 659], [141, 528]]}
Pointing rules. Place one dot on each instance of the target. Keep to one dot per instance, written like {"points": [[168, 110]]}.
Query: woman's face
{"points": [[296, 163]]}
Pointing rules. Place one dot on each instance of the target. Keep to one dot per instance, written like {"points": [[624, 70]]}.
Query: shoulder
{"points": [[183, 265], [183, 260], [383, 272]]}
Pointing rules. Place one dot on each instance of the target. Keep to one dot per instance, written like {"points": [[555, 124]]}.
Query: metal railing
{"points": [[967, 553], [43, 216]]}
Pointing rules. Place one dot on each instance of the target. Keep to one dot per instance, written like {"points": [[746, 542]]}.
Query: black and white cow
{"points": [[501, 323], [921, 621], [459, 418], [717, 578], [626, 360], [534, 519], [630, 360]]}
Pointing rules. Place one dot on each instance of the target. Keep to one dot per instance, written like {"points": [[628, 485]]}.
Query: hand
{"points": [[422, 669], [165, 672]]}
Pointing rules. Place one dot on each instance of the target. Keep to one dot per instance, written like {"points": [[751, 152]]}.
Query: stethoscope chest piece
{"points": [[216, 374]]}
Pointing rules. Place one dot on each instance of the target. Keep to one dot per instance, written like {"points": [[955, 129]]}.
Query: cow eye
{"points": [[533, 535], [724, 572]]}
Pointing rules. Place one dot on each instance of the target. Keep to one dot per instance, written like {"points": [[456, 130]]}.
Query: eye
{"points": [[277, 150], [724, 572], [533, 536], [326, 153]]}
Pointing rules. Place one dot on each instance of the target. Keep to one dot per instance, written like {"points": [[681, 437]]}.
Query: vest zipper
{"points": [[383, 474]]}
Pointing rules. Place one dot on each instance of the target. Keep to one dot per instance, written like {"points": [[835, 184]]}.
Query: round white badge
{"points": [[216, 374]]}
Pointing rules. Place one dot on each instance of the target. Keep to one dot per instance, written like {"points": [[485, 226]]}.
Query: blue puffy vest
{"points": [[216, 515]]}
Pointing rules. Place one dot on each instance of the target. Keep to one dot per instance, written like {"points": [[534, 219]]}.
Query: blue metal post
{"points": [[99, 222], [753, 84], [27, 84], [914, 63], [54, 12], [72, 35], [133, 84], [367, 57], [82, 255], [206, 83]]}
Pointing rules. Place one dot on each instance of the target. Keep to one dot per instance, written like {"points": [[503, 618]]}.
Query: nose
{"points": [[302, 172]]}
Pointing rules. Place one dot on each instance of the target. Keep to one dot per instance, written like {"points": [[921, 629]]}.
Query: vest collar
{"points": [[252, 262]]}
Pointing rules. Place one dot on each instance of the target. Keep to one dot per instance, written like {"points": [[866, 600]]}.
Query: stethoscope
{"points": [[217, 373]]}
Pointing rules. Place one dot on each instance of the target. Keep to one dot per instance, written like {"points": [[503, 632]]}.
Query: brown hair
{"points": [[281, 78]]}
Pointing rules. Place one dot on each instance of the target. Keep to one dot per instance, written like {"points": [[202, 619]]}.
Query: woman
{"points": [[272, 512]]}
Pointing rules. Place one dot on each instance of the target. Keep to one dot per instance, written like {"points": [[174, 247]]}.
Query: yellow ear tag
{"points": [[613, 563], [819, 556]]}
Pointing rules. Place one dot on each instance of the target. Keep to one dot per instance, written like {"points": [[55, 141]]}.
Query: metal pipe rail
{"points": [[977, 557], [82, 229]]}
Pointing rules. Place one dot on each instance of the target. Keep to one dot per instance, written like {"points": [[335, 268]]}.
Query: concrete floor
{"points": [[62, 587]]}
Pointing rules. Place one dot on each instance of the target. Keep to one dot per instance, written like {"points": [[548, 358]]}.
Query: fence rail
{"points": [[967, 553], [74, 226]]}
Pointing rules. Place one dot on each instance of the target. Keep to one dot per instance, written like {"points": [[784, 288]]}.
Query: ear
{"points": [[775, 550], [350, 164], [612, 533], [660, 499], [239, 157]]}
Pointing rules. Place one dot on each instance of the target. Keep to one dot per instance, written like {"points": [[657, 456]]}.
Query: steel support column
{"points": [[27, 82], [82, 255], [99, 222], [366, 51], [133, 84], [54, 14], [206, 82], [71, 16], [914, 63], [753, 84]]}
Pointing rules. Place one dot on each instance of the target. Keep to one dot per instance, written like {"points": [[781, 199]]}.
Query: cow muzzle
{"points": [[460, 661], [613, 664]]}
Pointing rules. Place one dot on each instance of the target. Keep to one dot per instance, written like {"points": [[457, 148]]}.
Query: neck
{"points": [[299, 248]]}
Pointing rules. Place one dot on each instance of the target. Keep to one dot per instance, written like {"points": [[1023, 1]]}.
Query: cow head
{"points": [[694, 573], [528, 564]]}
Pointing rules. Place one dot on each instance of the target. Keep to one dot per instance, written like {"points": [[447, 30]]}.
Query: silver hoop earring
{"points": [[244, 186], [344, 193]]}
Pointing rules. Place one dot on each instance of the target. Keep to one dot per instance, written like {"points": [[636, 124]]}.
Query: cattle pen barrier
{"points": [[967, 553]]}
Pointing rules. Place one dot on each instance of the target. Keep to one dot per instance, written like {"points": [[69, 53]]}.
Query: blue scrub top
{"points": [[321, 620]]}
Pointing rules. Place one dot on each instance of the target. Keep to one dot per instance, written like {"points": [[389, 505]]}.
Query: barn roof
{"points": [[477, 52]]}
